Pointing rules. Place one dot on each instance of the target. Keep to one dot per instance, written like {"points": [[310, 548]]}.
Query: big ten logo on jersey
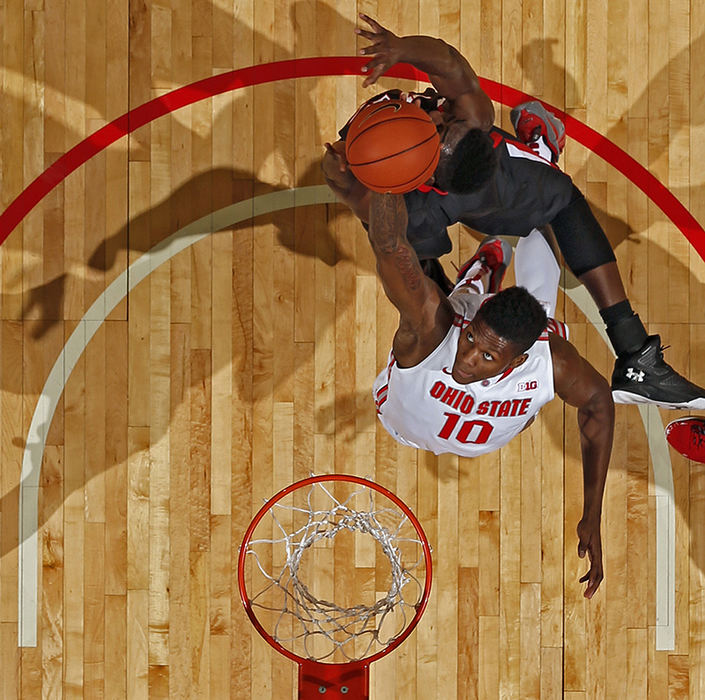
{"points": [[528, 386]]}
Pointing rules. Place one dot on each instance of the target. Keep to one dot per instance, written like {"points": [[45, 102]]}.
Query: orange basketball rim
{"points": [[304, 577]]}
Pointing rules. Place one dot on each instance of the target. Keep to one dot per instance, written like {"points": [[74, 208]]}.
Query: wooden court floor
{"points": [[188, 388]]}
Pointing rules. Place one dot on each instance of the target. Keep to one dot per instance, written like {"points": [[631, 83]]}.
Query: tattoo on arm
{"points": [[388, 221], [407, 263]]}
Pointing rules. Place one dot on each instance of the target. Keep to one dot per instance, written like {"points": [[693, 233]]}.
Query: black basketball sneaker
{"points": [[643, 377]]}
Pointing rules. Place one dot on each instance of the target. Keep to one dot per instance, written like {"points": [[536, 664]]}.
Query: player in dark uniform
{"points": [[499, 185]]}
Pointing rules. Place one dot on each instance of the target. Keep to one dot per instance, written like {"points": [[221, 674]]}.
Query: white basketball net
{"points": [[306, 530]]}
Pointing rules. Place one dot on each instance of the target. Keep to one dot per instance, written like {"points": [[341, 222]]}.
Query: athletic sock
{"points": [[624, 328], [617, 312]]}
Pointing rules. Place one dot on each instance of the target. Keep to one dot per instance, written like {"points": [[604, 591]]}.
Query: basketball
{"points": [[392, 146]]}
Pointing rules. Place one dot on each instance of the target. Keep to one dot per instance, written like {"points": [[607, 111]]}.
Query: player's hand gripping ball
{"points": [[392, 146]]}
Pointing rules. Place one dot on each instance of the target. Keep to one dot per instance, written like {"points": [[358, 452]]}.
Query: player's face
{"points": [[482, 354]]}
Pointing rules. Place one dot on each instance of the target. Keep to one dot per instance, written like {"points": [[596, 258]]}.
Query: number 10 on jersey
{"points": [[476, 432]]}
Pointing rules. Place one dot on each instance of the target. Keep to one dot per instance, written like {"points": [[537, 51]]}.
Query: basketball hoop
{"points": [[295, 580]]}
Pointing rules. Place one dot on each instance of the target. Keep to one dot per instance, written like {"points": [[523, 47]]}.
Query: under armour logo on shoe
{"points": [[635, 376]]}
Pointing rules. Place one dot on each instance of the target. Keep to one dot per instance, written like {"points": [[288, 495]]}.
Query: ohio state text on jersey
{"points": [[424, 407]]}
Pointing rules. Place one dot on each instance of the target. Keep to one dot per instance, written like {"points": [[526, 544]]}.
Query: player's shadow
{"points": [[540, 52], [198, 198], [215, 188], [306, 234], [618, 229], [45, 303]]}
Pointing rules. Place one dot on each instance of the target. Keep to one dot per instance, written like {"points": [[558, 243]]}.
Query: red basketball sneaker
{"points": [[494, 256], [532, 121], [687, 436]]}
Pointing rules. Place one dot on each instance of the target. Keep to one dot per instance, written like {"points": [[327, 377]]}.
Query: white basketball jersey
{"points": [[424, 407]]}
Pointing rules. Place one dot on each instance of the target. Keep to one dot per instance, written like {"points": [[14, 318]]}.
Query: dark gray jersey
{"points": [[525, 192]]}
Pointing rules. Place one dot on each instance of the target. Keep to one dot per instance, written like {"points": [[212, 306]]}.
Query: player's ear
{"points": [[518, 360]]}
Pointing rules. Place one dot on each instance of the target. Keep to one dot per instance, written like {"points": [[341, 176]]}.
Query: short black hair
{"points": [[515, 315], [472, 164]]}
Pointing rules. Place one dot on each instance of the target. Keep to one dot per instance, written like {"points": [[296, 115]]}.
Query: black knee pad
{"points": [[582, 241]]}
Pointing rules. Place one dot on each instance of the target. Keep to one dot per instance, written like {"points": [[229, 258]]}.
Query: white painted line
{"points": [[665, 501], [74, 348], [665, 530]]}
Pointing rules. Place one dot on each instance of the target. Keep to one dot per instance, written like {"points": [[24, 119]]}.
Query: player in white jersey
{"points": [[426, 407], [472, 371]]}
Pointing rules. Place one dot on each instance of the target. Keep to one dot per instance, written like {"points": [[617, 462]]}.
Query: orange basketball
{"points": [[392, 146]]}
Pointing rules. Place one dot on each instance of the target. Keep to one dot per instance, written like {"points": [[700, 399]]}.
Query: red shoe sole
{"points": [[687, 436]]}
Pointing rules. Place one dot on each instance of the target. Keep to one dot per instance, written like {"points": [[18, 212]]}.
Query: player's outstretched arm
{"points": [[449, 71], [579, 384], [341, 180], [425, 314]]}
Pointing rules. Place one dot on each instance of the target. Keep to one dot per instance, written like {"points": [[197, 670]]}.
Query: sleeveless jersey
{"points": [[423, 407], [525, 192]]}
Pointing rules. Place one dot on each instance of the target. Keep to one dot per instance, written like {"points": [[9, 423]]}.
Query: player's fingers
{"points": [[582, 548], [376, 66], [594, 584], [374, 69], [377, 72], [330, 150], [597, 578], [373, 23], [371, 49], [337, 154], [584, 578], [366, 33]]}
